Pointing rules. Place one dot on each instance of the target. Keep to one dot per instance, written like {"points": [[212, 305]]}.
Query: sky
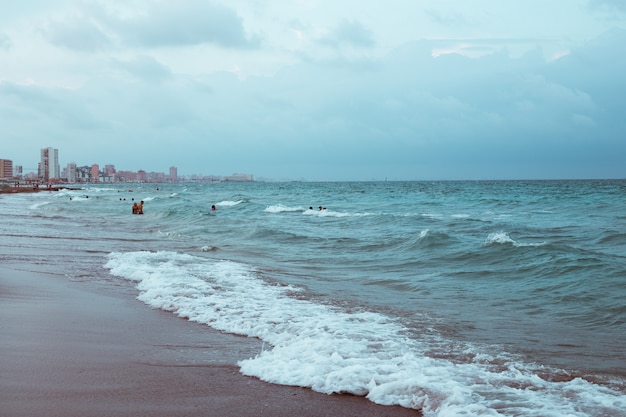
{"points": [[318, 90]]}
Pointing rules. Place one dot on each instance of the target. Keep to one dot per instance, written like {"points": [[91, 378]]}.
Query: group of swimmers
{"points": [[138, 208], [320, 208]]}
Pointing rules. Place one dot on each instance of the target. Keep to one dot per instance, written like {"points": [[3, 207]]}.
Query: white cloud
{"points": [[164, 23], [156, 24], [76, 33], [350, 33]]}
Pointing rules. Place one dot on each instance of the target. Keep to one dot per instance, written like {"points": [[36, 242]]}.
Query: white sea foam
{"points": [[360, 352], [432, 215], [499, 237], [279, 208], [227, 203], [504, 238], [333, 213]]}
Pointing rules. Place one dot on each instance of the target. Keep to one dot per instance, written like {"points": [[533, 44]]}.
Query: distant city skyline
{"points": [[49, 170]]}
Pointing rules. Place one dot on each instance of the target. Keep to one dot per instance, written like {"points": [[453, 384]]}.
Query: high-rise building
{"points": [[109, 169], [6, 169], [70, 172], [173, 174], [95, 173], [49, 166], [83, 173]]}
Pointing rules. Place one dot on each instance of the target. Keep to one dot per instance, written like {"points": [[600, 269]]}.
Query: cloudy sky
{"points": [[319, 89]]}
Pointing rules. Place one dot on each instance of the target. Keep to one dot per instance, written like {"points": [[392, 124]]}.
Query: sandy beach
{"points": [[78, 349]]}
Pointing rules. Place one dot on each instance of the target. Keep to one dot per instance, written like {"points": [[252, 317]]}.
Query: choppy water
{"points": [[458, 298]]}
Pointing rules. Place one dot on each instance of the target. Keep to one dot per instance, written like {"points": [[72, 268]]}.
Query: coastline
{"points": [[73, 349], [25, 189]]}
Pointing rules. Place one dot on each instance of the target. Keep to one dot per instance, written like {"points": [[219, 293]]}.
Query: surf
{"points": [[361, 352]]}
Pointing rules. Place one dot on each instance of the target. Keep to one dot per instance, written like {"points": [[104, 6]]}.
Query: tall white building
{"points": [[49, 166], [70, 172]]}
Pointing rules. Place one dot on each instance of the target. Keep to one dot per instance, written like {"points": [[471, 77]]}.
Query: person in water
{"points": [[135, 208], [213, 208], [140, 208]]}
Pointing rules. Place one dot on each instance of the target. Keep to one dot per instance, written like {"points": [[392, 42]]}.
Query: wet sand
{"points": [[78, 349]]}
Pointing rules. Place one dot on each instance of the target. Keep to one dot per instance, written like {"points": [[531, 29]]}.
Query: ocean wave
{"points": [[229, 203], [613, 238], [361, 352], [433, 215], [276, 235], [332, 213], [503, 238], [410, 243], [279, 208], [38, 205], [432, 239]]}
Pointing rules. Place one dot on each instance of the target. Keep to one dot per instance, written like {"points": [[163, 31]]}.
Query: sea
{"points": [[457, 298]]}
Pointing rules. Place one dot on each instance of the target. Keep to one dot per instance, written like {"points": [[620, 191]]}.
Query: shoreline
{"points": [[12, 190], [77, 349]]}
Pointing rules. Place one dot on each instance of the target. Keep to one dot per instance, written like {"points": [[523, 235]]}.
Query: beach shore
{"points": [[30, 189], [79, 349]]}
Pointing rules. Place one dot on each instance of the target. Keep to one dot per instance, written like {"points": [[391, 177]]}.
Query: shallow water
{"points": [[476, 297]]}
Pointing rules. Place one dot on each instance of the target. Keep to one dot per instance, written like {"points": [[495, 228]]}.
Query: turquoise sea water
{"points": [[482, 298]]}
